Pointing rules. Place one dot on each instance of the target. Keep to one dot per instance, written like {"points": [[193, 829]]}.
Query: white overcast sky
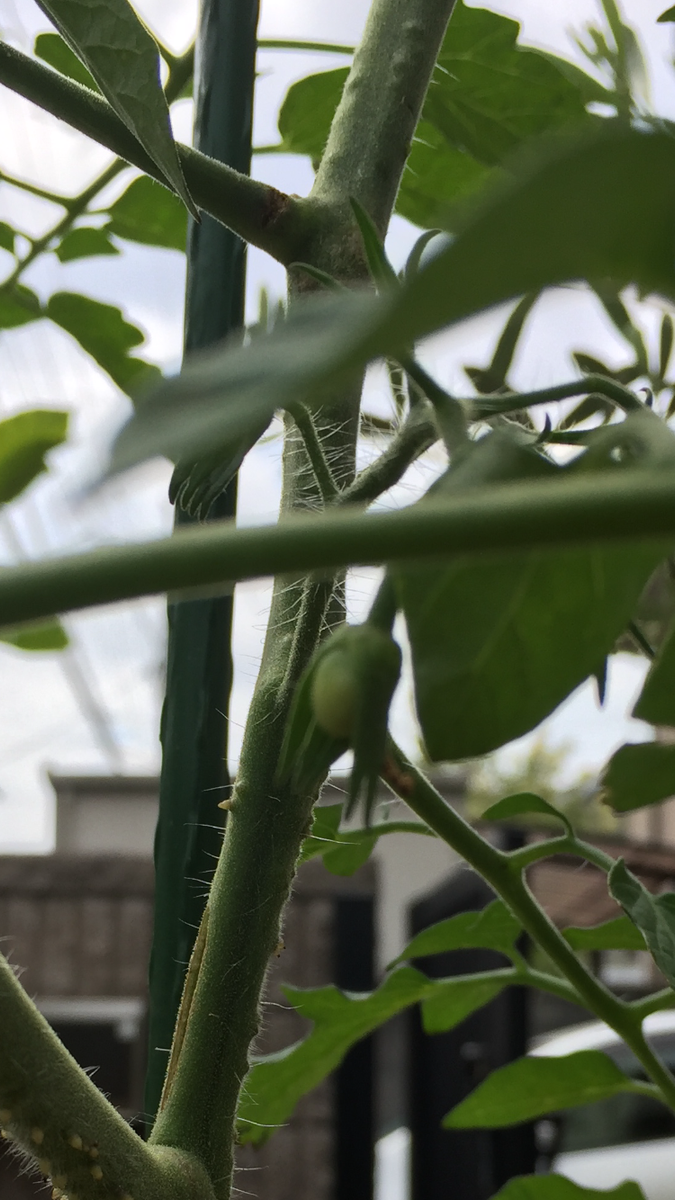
{"points": [[116, 662]]}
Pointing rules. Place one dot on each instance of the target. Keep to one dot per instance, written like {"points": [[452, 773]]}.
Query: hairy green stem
{"points": [[506, 878], [255, 211], [79, 1140], [322, 472], [490, 406], [269, 820], [417, 435], [625, 506], [373, 128]]}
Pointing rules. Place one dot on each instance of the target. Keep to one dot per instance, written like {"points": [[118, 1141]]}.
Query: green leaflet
{"points": [[18, 306], [275, 1084], [52, 49], [487, 96], [343, 852], [524, 803], [104, 333], [7, 237], [637, 775], [49, 635], [123, 58], [85, 242], [602, 206], [498, 644], [656, 702], [557, 1187], [148, 213], [617, 934], [531, 1087], [653, 915], [492, 928], [24, 441]]}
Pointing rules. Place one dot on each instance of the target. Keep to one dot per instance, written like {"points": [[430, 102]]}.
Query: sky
{"points": [[96, 707]]}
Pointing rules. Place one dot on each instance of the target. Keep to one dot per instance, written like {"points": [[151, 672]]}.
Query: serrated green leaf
{"points": [[653, 915], [497, 645], [18, 306], [531, 1087], [599, 207], [147, 213], [123, 58], [7, 237], [524, 803], [24, 441], [52, 49], [638, 775], [656, 702], [105, 334], [275, 1084], [85, 242], [558, 1187], [48, 636], [492, 928], [617, 934]]}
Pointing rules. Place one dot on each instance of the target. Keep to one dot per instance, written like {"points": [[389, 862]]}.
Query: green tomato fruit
{"points": [[335, 691]]}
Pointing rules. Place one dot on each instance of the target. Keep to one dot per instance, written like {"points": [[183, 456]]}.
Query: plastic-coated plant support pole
{"points": [[631, 506], [194, 773]]}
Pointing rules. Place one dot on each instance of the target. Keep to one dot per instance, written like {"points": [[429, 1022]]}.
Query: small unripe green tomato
{"points": [[335, 690]]}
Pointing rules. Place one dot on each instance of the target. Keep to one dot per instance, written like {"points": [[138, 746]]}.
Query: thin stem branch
{"points": [[324, 477], [289, 44], [417, 435], [42, 193], [489, 406], [523, 858], [255, 211], [495, 867]]}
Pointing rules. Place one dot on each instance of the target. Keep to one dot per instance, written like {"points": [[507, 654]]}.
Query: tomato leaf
{"points": [[148, 213], [123, 58], [531, 1087], [653, 915], [105, 334], [24, 441], [617, 934], [637, 775]]}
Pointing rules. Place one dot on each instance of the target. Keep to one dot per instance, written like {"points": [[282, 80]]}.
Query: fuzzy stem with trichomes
{"points": [[506, 877], [68, 1125], [269, 819]]}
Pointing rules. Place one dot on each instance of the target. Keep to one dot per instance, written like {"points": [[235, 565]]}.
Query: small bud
{"points": [[75, 1141]]}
